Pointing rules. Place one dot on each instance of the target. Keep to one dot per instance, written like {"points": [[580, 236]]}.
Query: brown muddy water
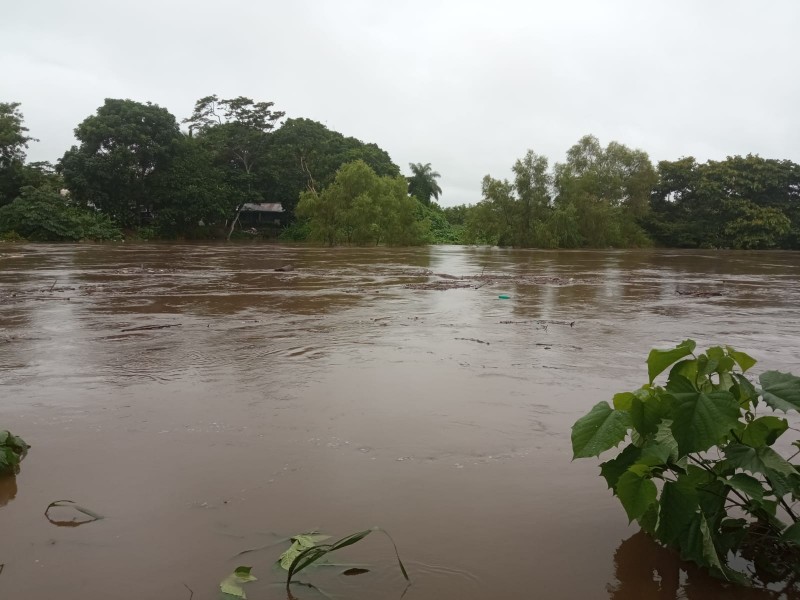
{"points": [[352, 391]]}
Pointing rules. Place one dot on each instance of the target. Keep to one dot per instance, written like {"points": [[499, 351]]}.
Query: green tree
{"points": [[422, 184], [360, 207], [610, 189], [237, 129], [191, 190], [14, 141], [121, 149], [305, 155], [741, 202]]}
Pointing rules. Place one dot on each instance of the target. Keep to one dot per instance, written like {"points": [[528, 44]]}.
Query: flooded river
{"points": [[207, 404]]}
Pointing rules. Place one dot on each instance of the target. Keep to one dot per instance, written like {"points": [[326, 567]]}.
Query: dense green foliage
{"points": [[741, 202], [12, 450], [700, 471], [136, 167], [43, 215], [361, 207], [593, 199], [122, 148]]}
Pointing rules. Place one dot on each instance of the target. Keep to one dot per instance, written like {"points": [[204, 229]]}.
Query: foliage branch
{"points": [[700, 472]]}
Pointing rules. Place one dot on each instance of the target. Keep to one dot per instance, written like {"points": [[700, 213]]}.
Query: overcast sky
{"points": [[467, 86]]}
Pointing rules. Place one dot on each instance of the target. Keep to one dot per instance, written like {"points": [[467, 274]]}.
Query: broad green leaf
{"points": [[782, 476], [699, 545], [288, 556], [746, 393], [232, 584], [659, 360], [613, 469], [685, 368], [636, 492], [764, 431], [665, 438], [679, 387], [623, 401], [602, 428], [678, 505], [706, 365], [299, 543], [649, 519], [781, 391], [745, 361], [747, 485], [655, 454], [703, 420], [646, 414]]}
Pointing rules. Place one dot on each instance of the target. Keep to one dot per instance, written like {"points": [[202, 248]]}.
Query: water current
{"points": [[206, 404]]}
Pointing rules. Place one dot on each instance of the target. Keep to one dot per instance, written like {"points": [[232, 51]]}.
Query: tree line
{"points": [[136, 171]]}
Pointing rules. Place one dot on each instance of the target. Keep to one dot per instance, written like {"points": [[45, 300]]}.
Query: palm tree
{"points": [[422, 183]]}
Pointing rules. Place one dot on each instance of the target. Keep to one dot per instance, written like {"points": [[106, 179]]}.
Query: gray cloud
{"points": [[467, 86]]}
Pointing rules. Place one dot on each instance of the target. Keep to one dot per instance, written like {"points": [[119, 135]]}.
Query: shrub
{"points": [[700, 473]]}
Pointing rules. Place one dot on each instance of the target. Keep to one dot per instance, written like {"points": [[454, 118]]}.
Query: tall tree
{"points": [[121, 148], [422, 184], [14, 141], [305, 155], [237, 129], [741, 202], [360, 207]]}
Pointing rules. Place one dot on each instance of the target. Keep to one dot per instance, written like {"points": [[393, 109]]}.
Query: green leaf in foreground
{"points": [[232, 584], [781, 391], [745, 361], [602, 428], [310, 555], [659, 360], [636, 492], [300, 542], [704, 420]]}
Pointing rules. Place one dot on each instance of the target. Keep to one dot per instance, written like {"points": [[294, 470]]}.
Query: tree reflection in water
{"points": [[645, 570]]}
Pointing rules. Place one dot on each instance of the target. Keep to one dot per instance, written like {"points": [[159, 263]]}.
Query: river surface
{"points": [[365, 387]]}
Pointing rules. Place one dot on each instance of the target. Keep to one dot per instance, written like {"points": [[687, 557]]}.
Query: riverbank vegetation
{"points": [[702, 471], [138, 172]]}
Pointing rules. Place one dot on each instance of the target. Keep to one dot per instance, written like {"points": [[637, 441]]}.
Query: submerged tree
{"points": [[360, 207], [237, 131], [422, 184], [305, 155], [596, 198]]}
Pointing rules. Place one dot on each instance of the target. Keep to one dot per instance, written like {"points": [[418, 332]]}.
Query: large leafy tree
{"points": [[422, 184], [237, 131], [360, 207], [304, 155], [121, 149], [609, 189], [741, 202]]}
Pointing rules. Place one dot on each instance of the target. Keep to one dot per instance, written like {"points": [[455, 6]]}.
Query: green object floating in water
{"points": [[504, 297]]}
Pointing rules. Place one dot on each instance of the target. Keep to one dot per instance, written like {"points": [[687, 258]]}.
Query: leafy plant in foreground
{"points": [[700, 473], [12, 450], [306, 549]]}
